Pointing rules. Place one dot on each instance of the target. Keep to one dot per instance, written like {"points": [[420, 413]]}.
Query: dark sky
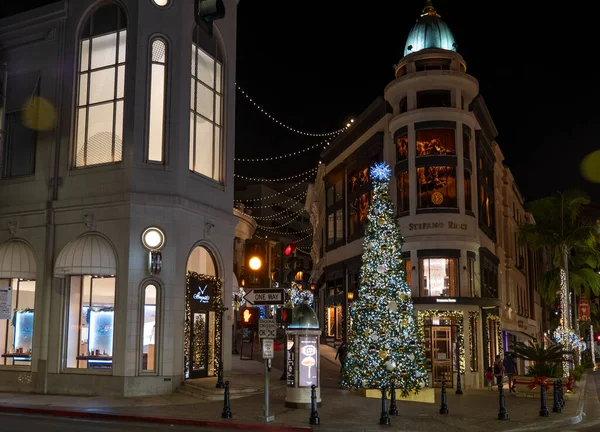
{"points": [[314, 65]]}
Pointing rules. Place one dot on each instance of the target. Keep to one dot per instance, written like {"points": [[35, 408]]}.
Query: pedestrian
{"points": [[510, 367], [342, 353], [489, 378], [499, 369]]}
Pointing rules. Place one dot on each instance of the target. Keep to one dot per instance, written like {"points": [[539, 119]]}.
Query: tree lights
{"points": [[384, 346]]}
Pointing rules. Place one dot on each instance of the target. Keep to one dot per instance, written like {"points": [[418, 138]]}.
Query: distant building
{"points": [[116, 183], [457, 205]]}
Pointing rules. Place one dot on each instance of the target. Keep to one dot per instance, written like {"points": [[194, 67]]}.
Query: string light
{"points": [[300, 195], [323, 144], [258, 107], [273, 195], [286, 233], [284, 224], [280, 179], [280, 215]]}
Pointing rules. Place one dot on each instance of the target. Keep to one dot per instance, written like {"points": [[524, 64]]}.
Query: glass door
{"points": [[199, 345], [442, 355]]}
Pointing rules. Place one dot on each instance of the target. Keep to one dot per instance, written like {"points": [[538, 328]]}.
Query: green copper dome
{"points": [[429, 32], [304, 317]]}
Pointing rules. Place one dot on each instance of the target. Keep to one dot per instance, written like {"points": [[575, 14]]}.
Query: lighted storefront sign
{"points": [[202, 295], [308, 365], [437, 225]]}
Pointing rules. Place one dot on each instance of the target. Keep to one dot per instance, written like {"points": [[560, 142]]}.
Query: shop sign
{"points": [[437, 225], [584, 309], [308, 361], [202, 291], [5, 303]]}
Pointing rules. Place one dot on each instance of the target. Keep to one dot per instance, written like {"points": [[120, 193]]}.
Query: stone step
{"points": [[213, 394]]}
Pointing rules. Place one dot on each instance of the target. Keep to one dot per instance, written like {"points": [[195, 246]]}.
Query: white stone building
{"points": [[452, 195], [120, 117]]}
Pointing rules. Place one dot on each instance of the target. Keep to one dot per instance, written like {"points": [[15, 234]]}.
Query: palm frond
{"points": [[549, 285], [584, 281]]}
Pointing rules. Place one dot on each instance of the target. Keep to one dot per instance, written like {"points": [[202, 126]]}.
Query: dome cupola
{"points": [[429, 32]]}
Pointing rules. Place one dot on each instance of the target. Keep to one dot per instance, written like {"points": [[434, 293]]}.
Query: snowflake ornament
{"points": [[381, 171]]}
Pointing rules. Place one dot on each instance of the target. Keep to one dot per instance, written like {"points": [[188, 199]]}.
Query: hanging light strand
{"points": [[295, 185], [276, 215], [296, 198], [280, 179], [272, 231], [293, 218], [323, 145], [258, 107]]}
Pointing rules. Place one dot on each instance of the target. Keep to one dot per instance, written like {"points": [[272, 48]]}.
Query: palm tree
{"points": [[544, 360], [570, 242]]}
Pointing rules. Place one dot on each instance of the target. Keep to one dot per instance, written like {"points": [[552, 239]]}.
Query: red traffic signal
{"points": [[290, 249], [598, 337], [284, 315]]}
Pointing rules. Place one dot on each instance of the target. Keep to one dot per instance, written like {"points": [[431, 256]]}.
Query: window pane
{"points": [[83, 86], [204, 101], [156, 121], [149, 329], [122, 46], [192, 141], [403, 192], [104, 50], [468, 196], [434, 98], [121, 82], [330, 229], [218, 78], [159, 50], [339, 225], [439, 277], [466, 146], [435, 142], [206, 68], [204, 147], [402, 147], [102, 85], [80, 152], [85, 55], [100, 134], [436, 186], [119, 132], [193, 94], [19, 151], [218, 109], [217, 151]]}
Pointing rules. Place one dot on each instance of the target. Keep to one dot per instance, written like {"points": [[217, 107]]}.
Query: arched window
{"points": [[202, 262], [158, 99], [150, 327], [101, 87], [206, 113]]}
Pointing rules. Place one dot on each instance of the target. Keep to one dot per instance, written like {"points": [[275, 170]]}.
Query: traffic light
{"points": [[250, 317], [256, 266], [284, 315], [598, 338], [207, 11], [290, 249]]}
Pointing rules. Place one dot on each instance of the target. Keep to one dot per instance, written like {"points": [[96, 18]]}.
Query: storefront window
{"points": [[435, 142], [16, 333], [468, 194], [90, 322], [403, 192], [436, 187], [401, 147], [149, 328], [439, 277]]}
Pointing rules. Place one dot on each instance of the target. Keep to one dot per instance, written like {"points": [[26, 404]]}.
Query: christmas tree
{"points": [[384, 346]]}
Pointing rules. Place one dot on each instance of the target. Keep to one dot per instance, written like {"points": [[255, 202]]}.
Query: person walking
{"points": [[510, 368], [499, 369], [342, 353]]}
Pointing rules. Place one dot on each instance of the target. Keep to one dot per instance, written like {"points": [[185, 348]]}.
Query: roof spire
{"points": [[429, 9]]}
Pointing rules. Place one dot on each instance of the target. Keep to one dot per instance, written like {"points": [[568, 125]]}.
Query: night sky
{"points": [[315, 65]]}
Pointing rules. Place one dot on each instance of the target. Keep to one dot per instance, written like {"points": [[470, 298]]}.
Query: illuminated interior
{"points": [[435, 142], [16, 334], [402, 147], [149, 330], [439, 277], [436, 186]]}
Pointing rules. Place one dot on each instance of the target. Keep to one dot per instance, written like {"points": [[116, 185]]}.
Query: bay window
{"points": [[436, 187], [439, 277], [431, 142]]}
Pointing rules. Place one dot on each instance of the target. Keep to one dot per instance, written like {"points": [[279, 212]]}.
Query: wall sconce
{"points": [[313, 287], [350, 295], [153, 239]]}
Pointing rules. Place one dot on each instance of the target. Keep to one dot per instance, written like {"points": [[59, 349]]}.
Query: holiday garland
{"points": [[473, 317], [458, 315]]}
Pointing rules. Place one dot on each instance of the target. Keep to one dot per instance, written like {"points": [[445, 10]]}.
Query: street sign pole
{"points": [[268, 354]]}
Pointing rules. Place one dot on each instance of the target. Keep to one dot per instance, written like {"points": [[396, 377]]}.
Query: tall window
{"points": [[16, 334], [101, 88], [435, 142], [468, 194], [206, 114], [158, 99], [90, 322], [471, 276], [360, 196], [403, 192], [434, 98], [436, 186], [485, 181], [149, 329], [335, 211], [439, 277], [401, 147], [466, 142]]}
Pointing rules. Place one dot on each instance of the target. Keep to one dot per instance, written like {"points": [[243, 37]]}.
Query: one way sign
{"points": [[264, 296]]}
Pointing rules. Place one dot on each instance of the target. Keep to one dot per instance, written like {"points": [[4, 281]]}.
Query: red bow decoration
{"points": [[570, 383], [539, 381]]}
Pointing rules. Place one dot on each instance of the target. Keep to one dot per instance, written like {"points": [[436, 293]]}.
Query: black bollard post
{"points": [[543, 408], [384, 419], [502, 413], [393, 407], [226, 414], [556, 406], [562, 394], [444, 406], [314, 415], [458, 384]]}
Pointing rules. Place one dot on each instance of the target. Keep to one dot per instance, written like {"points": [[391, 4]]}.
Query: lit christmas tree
{"points": [[384, 346]]}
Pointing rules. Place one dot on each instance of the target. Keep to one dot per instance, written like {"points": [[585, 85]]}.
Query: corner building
{"points": [[116, 197], [433, 128]]}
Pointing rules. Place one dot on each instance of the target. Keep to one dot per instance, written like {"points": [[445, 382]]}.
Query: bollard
{"points": [[502, 413], [444, 406], [556, 406], [458, 384], [393, 407], [543, 408], [314, 415], [226, 414], [384, 419], [562, 394]]}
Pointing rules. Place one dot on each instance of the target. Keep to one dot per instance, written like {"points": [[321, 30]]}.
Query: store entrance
{"points": [[441, 359]]}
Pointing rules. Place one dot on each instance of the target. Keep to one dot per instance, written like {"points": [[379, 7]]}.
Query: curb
{"points": [[560, 422], [11, 409]]}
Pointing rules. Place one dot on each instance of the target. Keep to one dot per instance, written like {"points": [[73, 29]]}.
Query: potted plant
{"points": [[546, 362]]}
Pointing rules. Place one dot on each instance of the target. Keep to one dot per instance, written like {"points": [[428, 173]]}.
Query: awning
{"points": [[17, 260], [90, 254]]}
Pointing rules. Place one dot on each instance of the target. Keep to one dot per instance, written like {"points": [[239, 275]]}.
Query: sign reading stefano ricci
{"points": [[437, 225]]}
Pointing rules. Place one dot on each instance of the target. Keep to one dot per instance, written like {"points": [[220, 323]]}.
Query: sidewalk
{"points": [[342, 410]]}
